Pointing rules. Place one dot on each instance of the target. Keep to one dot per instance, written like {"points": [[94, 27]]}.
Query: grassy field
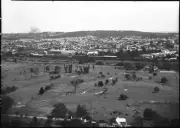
{"points": [[99, 107]]}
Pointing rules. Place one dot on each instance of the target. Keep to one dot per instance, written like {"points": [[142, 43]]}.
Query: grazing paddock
{"points": [[103, 105]]}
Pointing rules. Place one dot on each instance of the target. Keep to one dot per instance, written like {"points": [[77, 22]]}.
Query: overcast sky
{"points": [[20, 16]]}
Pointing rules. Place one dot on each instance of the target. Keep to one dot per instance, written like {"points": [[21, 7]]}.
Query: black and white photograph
{"points": [[89, 63]]}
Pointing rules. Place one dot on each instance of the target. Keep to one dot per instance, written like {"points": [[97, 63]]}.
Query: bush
{"points": [[16, 123], [7, 104], [156, 90], [106, 82], [174, 122], [148, 114], [75, 123], [150, 77], [112, 120], [41, 91], [100, 84], [47, 88], [127, 76], [122, 97], [81, 111], [164, 80], [59, 110], [154, 74], [100, 63]]}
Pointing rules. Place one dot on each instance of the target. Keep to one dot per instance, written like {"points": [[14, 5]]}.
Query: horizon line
{"points": [[88, 30]]}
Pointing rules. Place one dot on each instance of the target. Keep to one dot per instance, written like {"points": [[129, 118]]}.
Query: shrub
{"points": [[81, 111], [41, 91], [164, 80], [59, 110], [154, 74], [7, 104], [34, 120], [47, 88], [148, 114], [100, 63], [100, 84], [16, 123], [174, 122], [112, 120], [75, 123], [150, 77], [127, 76], [106, 82], [122, 97], [156, 90]]}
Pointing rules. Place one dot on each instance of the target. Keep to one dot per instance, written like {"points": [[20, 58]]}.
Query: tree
{"points": [[7, 104], [59, 110], [74, 83], [48, 121], [34, 121], [81, 111]]}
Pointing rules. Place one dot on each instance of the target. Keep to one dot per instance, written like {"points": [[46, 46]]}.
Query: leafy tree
{"points": [[59, 110], [81, 111], [7, 104]]}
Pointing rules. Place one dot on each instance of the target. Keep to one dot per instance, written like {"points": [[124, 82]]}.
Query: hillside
{"points": [[98, 33]]}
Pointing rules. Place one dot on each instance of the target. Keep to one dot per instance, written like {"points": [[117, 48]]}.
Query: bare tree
{"points": [[75, 84]]}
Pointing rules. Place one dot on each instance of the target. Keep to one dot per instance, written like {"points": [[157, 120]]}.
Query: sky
{"points": [[66, 16]]}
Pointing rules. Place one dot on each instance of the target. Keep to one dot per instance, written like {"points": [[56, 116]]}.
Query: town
{"points": [[79, 62]]}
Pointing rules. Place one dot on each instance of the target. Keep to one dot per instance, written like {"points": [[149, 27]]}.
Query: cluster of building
{"points": [[92, 45]]}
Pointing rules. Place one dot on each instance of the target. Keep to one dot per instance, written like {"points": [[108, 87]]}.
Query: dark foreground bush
{"points": [[7, 103], [174, 122], [148, 114], [7, 90]]}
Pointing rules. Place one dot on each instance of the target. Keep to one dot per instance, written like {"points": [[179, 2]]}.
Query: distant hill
{"points": [[98, 33]]}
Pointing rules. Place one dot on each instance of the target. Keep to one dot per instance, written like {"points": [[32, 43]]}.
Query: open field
{"points": [[30, 103]]}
